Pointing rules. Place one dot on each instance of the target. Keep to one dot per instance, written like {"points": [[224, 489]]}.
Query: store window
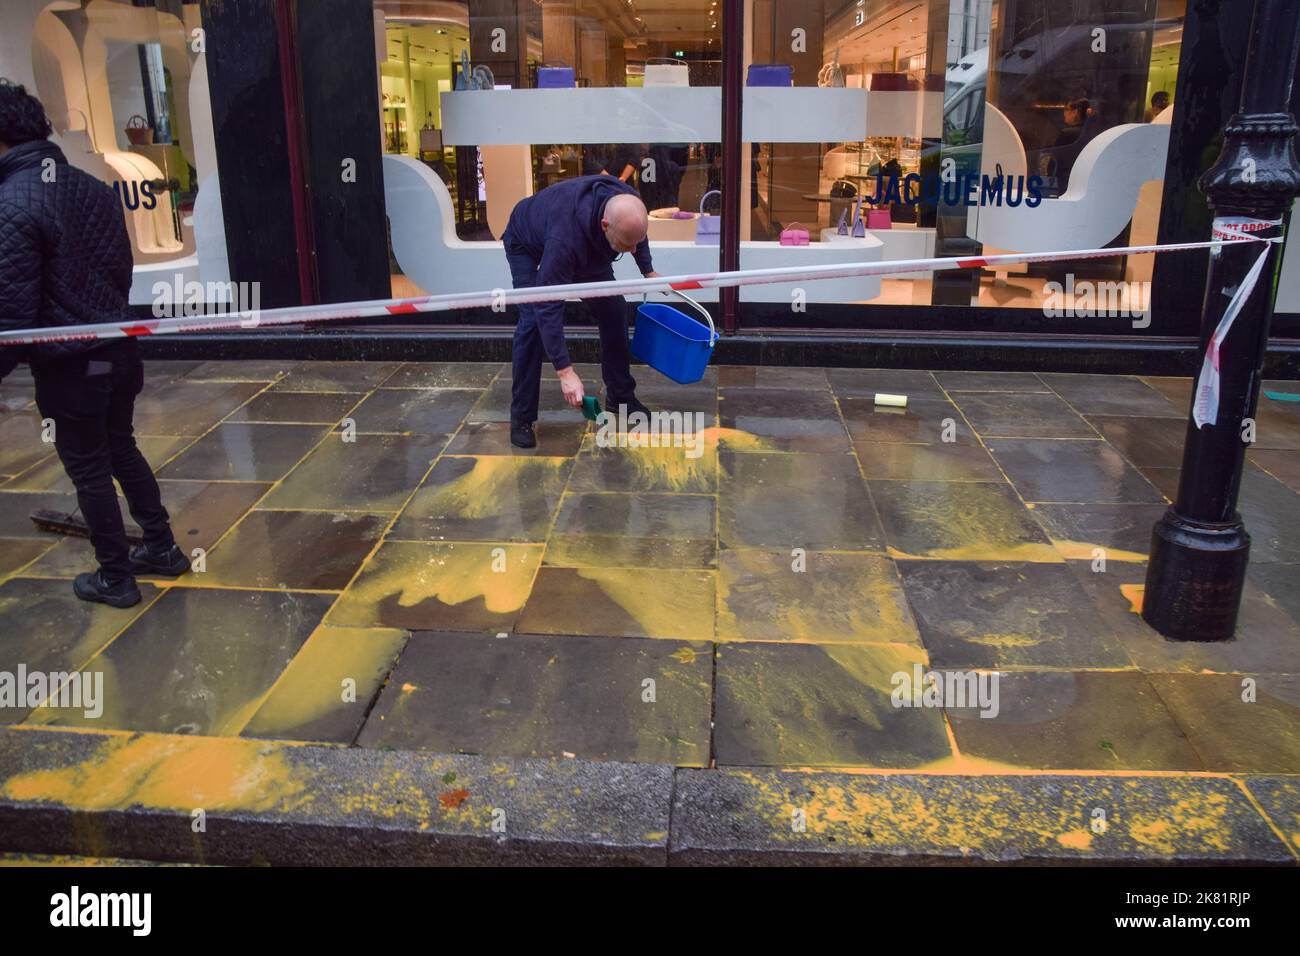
{"points": [[908, 129], [486, 102], [126, 93]]}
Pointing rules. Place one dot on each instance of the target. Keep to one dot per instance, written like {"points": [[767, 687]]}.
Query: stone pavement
{"points": [[384, 573]]}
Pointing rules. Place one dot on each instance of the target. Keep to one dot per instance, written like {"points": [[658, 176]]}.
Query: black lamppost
{"points": [[1199, 549]]}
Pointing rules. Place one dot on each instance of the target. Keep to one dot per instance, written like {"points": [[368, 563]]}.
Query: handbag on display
{"points": [[555, 78], [666, 71], [878, 218], [138, 131], [859, 228], [770, 74], [790, 236], [708, 229]]}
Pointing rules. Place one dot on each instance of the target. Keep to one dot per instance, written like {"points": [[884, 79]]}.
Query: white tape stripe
{"points": [[297, 315]]}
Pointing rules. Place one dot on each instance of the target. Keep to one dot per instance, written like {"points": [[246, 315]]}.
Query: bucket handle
{"points": [[713, 334]]}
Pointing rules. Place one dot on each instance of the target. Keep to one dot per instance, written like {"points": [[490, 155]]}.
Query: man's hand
{"points": [[571, 386], [651, 275]]}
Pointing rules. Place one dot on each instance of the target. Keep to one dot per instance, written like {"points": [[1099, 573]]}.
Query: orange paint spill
{"points": [[1134, 593], [452, 799]]}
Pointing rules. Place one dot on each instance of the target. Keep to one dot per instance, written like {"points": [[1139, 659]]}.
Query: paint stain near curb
{"points": [[452, 799]]}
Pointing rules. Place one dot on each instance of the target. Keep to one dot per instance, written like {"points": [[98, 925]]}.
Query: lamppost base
{"points": [[1195, 578]]}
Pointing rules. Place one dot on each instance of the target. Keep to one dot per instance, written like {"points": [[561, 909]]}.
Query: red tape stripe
{"points": [[685, 285], [971, 263], [404, 309], [134, 330]]}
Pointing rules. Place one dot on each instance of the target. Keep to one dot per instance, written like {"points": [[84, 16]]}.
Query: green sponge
{"points": [[591, 407]]}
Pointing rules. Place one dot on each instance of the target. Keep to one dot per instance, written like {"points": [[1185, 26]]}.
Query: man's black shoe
{"points": [[521, 435], [633, 405], [93, 586], [168, 565]]}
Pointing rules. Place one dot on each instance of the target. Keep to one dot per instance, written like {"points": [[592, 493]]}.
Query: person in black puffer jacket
{"points": [[65, 260]]}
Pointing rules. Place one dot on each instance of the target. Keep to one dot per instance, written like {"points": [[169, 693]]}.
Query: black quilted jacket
{"points": [[65, 256]]}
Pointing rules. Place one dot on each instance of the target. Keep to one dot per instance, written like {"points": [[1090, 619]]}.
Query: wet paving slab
{"points": [[22, 443], [990, 382], [817, 502], [1282, 464], [493, 404], [294, 550], [676, 604], [960, 521], [270, 370], [548, 696], [784, 419], [198, 661], [245, 452], [1281, 582], [1069, 720], [16, 507], [989, 614], [935, 462], [189, 408], [636, 530], [1267, 637], [486, 498], [554, 440], [327, 691], [428, 585], [374, 473], [17, 553], [769, 376], [1277, 425], [923, 421], [812, 597], [690, 469], [407, 411], [49, 474], [445, 375], [1112, 395], [796, 705], [336, 376], [1021, 415], [869, 382], [1083, 471], [48, 629], [201, 512], [1109, 532], [1238, 723], [303, 408], [1144, 442]]}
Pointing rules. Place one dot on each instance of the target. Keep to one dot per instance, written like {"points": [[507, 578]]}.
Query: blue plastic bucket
{"points": [[672, 342]]}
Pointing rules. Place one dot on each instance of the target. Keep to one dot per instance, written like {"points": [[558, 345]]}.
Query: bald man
{"points": [[572, 231]]}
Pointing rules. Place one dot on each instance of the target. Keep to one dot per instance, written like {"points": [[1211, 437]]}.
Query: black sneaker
{"points": [[172, 564], [633, 405], [93, 586], [521, 435]]}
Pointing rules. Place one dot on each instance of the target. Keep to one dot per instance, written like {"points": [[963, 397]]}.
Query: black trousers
{"points": [[91, 400], [527, 353]]}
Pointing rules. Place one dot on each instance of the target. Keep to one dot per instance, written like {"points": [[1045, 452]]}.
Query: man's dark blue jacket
{"points": [[559, 228], [65, 256]]}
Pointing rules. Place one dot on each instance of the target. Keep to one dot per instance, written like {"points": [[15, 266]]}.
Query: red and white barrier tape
{"points": [[500, 298], [1205, 410]]}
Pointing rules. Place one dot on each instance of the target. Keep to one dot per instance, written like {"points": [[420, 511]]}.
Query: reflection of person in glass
{"points": [[65, 260], [1159, 103], [572, 232], [1076, 113], [610, 159]]}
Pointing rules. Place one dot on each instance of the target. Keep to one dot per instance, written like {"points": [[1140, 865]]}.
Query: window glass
{"points": [[487, 102], [894, 130], [127, 96]]}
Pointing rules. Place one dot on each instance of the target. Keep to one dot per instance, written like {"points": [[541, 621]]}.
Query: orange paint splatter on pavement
{"points": [[452, 799]]}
